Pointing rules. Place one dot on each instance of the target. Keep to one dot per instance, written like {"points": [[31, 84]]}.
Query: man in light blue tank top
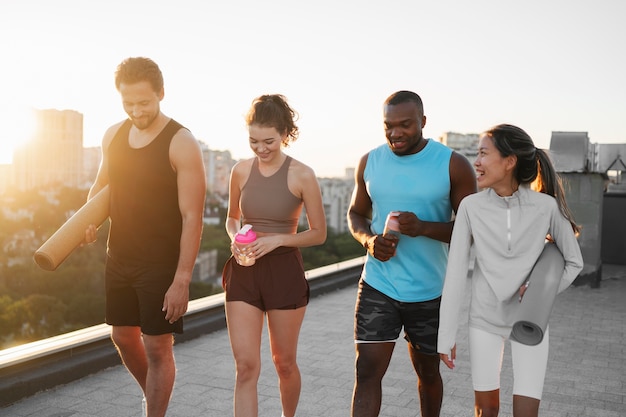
{"points": [[402, 279]]}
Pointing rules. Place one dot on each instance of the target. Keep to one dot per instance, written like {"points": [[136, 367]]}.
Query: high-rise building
{"points": [[54, 154], [464, 143], [6, 177], [218, 165], [336, 196], [91, 162]]}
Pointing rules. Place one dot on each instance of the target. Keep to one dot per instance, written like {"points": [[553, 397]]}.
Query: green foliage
{"points": [[35, 304], [202, 289], [338, 247], [215, 237]]}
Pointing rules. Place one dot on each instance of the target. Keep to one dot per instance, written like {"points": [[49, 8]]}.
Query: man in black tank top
{"points": [[155, 174]]}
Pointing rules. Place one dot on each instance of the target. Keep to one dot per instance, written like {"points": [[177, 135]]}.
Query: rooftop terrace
{"points": [[586, 372]]}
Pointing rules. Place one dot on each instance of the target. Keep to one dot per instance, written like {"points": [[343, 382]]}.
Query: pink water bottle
{"points": [[243, 238]]}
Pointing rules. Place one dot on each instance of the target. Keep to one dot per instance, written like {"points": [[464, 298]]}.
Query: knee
{"points": [[125, 339], [368, 369], [429, 374], [285, 365], [159, 350], [247, 370], [426, 367]]}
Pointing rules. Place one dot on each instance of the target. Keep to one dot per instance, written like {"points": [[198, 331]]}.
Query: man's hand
{"points": [[91, 234], [381, 248], [410, 224], [176, 301]]}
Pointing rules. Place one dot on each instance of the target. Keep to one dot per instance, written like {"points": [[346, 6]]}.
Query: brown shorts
{"points": [[275, 282]]}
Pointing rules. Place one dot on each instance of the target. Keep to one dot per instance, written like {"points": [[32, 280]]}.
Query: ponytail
{"points": [[533, 165], [549, 182]]}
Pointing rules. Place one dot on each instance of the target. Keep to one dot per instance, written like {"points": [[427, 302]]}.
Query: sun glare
{"points": [[19, 128]]}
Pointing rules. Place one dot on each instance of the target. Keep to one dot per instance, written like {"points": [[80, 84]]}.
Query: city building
{"points": [[336, 195], [218, 165], [206, 267], [464, 143], [54, 154], [6, 177]]}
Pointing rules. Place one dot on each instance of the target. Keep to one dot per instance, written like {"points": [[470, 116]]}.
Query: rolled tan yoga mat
{"points": [[533, 313], [72, 233]]}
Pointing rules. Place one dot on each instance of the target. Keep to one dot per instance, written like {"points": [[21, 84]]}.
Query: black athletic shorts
{"points": [[379, 318], [135, 293], [276, 281]]}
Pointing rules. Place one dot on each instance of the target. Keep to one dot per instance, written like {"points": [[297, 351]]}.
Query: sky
{"points": [[544, 65]]}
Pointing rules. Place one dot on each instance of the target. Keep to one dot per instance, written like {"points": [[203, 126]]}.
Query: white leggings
{"points": [[529, 363]]}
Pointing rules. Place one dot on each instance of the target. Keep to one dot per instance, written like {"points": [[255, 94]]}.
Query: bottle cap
{"points": [[245, 234]]}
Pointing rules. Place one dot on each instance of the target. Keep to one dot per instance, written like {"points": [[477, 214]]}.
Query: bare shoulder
{"points": [[363, 161], [243, 165], [241, 170], [184, 138], [460, 166], [301, 170], [110, 134]]}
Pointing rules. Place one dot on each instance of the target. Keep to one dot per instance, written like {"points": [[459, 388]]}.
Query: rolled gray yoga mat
{"points": [[533, 313], [72, 233]]}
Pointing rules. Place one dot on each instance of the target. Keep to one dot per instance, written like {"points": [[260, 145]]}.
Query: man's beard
{"points": [[143, 122]]}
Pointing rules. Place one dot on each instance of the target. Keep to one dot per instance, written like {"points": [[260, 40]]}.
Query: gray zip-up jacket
{"points": [[507, 235]]}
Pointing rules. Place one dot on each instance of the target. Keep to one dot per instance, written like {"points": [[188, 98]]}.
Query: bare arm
{"points": [[186, 159], [360, 218], [102, 177], [238, 176], [303, 183]]}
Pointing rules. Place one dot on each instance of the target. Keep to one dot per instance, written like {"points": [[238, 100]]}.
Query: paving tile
{"points": [[586, 371]]}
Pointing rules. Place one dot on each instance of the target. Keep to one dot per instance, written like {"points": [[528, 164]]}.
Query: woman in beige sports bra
{"points": [[268, 192]]}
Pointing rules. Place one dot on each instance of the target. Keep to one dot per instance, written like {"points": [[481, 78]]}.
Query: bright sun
{"points": [[19, 126]]}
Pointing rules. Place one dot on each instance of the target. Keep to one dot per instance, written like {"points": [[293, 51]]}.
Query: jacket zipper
{"points": [[508, 224]]}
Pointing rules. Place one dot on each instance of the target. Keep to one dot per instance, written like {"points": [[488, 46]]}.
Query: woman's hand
{"points": [[264, 245], [449, 359], [522, 290]]}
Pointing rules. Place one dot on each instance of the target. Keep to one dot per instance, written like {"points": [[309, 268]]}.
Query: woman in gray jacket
{"points": [[522, 204]]}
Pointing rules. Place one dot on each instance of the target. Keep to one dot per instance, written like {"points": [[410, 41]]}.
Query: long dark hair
{"points": [[533, 164]]}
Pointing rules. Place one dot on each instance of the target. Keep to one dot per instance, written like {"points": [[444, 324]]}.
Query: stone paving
{"points": [[586, 372]]}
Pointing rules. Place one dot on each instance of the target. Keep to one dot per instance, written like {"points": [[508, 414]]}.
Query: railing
{"points": [[37, 366]]}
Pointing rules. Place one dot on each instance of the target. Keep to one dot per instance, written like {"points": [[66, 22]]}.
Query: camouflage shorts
{"points": [[380, 318]]}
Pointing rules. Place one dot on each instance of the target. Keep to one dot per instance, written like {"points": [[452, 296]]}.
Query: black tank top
{"points": [[146, 223]]}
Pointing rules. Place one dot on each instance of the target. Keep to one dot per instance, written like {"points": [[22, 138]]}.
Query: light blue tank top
{"points": [[419, 183]]}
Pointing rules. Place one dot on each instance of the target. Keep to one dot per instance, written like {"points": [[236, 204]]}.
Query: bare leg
{"points": [[150, 360], [129, 344], [429, 383], [487, 403], [161, 373], [525, 406], [245, 325], [284, 330], [372, 361]]}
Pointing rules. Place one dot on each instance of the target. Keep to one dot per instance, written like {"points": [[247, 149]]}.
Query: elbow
{"points": [[321, 239]]}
